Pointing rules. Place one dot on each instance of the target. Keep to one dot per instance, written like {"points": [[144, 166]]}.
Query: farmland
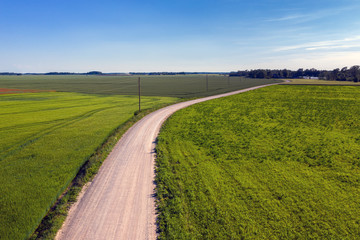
{"points": [[276, 163], [188, 86], [47, 136]]}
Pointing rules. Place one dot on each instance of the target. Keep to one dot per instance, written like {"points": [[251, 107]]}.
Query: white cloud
{"points": [[309, 59], [333, 47], [351, 42], [286, 18], [310, 16]]}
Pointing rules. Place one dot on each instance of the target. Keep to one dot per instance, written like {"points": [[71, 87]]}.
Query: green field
{"points": [[281, 162], [187, 86], [45, 138]]}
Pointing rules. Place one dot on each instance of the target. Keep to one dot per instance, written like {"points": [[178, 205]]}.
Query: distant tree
{"points": [[94, 73], [299, 73], [9, 73], [345, 74], [260, 73], [59, 73], [355, 73], [285, 73]]}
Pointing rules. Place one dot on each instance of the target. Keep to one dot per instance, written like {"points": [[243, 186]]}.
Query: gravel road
{"points": [[119, 203]]}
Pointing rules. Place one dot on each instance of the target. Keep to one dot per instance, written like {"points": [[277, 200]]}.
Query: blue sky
{"points": [[177, 35]]}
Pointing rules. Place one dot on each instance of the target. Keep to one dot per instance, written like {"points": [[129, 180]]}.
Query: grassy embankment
{"points": [[280, 162], [47, 137]]}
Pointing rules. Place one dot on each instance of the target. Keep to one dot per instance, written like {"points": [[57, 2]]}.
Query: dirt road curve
{"points": [[119, 203]]}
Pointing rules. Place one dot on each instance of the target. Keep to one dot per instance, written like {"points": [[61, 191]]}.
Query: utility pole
{"points": [[207, 83], [139, 93]]}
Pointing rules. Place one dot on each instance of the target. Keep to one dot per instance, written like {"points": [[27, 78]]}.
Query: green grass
{"points": [[281, 162], [188, 86], [45, 139]]}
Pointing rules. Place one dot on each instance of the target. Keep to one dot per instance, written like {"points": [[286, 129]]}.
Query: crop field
{"points": [[281, 162], [188, 86], [51, 125], [45, 138]]}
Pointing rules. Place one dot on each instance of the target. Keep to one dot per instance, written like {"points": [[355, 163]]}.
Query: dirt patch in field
{"points": [[13, 91]]}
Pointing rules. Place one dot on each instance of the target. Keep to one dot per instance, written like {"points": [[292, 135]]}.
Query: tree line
{"points": [[344, 74]]}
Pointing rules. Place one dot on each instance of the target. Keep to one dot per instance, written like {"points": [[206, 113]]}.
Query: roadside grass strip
{"points": [[281, 162]]}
